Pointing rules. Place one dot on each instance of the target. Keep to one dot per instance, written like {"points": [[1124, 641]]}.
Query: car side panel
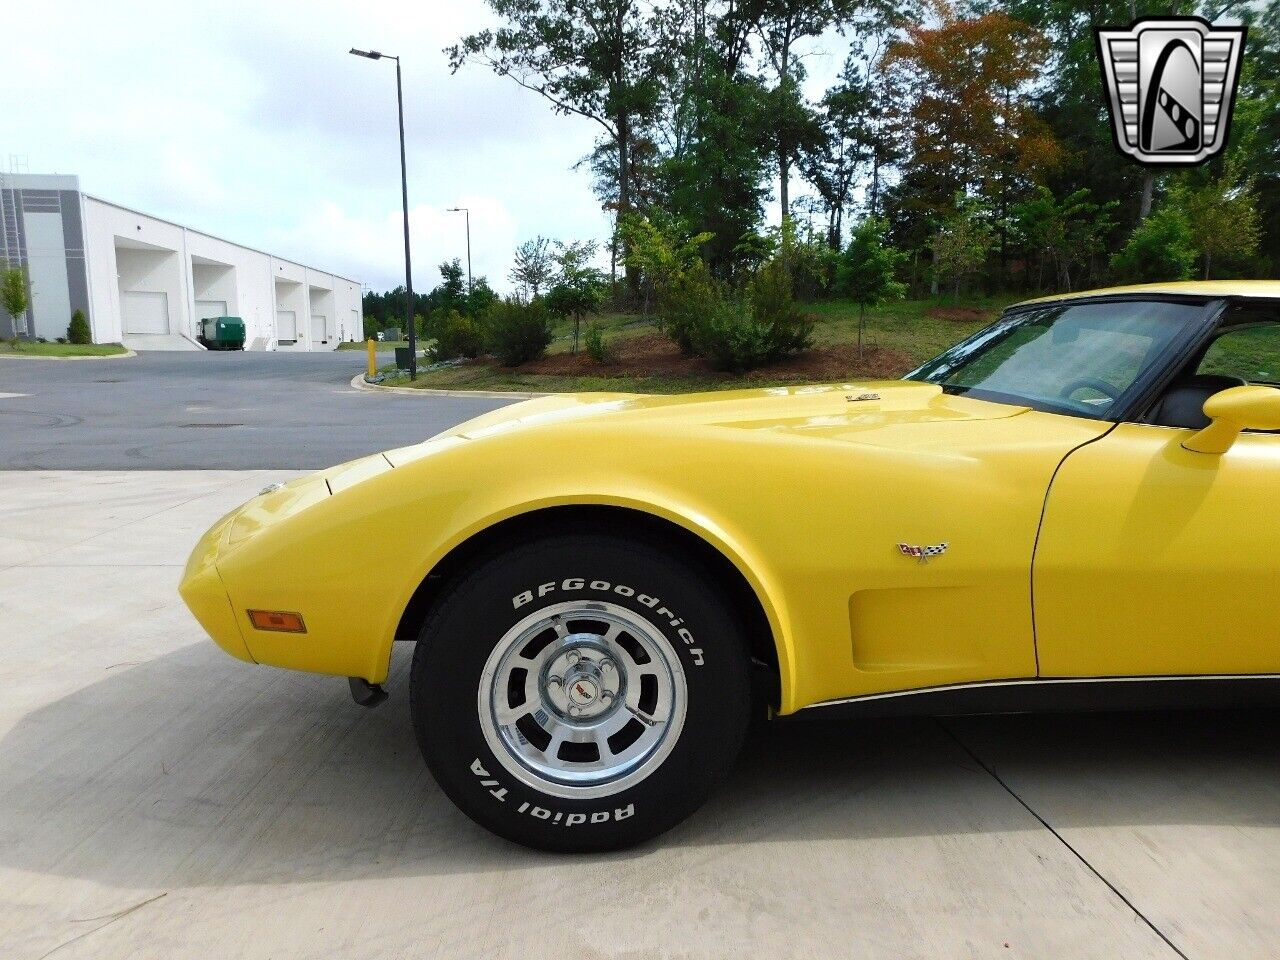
{"points": [[1154, 560], [811, 513]]}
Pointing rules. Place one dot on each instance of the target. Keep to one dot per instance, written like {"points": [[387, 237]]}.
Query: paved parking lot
{"points": [[160, 800], [212, 411]]}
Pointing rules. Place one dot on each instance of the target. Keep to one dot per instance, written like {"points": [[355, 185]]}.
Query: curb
{"points": [[358, 382], [28, 356]]}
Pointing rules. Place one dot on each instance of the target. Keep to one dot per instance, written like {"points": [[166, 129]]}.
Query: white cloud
{"points": [[249, 120]]}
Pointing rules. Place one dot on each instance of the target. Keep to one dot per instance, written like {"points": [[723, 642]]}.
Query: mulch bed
{"points": [[652, 354]]}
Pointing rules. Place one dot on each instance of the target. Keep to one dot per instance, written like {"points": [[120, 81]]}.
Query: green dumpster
{"points": [[222, 333]]}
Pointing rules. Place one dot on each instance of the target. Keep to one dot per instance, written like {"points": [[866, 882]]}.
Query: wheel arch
{"points": [[761, 620]]}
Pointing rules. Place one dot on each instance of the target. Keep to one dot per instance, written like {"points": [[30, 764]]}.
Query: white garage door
{"points": [[319, 326], [286, 326], [210, 308], [145, 312]]}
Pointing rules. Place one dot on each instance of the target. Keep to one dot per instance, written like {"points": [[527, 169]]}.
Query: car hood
{"points": [[848, 411]]}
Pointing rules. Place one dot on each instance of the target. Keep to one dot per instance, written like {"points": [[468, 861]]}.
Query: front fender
{"points": [[732, 545], [350, 562]]}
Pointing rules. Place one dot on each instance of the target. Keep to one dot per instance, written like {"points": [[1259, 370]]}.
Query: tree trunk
{"points": [[624, 194], [784, 174], [784, 148], [875, 183], [1206, 266], [862, 319], [1148, 188]]}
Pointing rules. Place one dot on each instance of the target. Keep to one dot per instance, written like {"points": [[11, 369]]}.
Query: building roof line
{"points": [[211, 236]]}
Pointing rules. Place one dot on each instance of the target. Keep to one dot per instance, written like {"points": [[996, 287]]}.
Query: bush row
{"points": [[513, 330], [735, 329]]}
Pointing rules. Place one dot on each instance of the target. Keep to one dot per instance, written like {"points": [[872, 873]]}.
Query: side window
{"points": [[1249, 351]]}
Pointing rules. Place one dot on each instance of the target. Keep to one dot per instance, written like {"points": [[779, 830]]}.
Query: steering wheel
{"points": [[1108, 390]]}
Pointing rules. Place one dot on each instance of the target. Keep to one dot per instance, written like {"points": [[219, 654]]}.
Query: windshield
{"points": [[1073, 358]]}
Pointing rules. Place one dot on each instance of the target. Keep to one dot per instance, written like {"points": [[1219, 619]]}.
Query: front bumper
{"points": [[206, 596], [288, 549]]}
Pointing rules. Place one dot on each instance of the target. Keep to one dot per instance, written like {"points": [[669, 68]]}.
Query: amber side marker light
{"points": [[277, 620]]}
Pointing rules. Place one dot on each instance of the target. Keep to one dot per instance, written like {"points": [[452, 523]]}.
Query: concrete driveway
{"points": [[160, 800], [175, 411]]}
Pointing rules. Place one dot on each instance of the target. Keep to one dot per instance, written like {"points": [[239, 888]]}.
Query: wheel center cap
{"points": [[583, 692]]}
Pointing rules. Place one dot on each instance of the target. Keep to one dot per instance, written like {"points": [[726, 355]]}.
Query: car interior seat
{"points": [[1183, 403]]}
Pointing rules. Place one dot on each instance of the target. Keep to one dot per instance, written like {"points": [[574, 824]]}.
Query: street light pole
{"points": [[410, 326], [468, 213]]}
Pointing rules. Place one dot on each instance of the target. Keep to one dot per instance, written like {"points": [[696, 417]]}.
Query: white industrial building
{"points": [[147, 282]]}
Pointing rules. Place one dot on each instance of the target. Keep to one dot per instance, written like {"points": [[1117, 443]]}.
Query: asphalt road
{"points": [[220, 411], [161, 801]]}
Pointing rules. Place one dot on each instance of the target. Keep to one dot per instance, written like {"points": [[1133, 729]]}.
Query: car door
{"points": [[1157, 561]]}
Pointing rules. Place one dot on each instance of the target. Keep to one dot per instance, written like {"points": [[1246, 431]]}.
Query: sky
{"points": [[250, 121]]}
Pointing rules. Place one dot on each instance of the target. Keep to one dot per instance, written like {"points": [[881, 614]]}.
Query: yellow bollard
{"points": [[373, 358]]}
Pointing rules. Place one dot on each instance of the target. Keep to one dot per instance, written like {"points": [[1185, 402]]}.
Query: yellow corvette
{"points": [[1078, 506]]}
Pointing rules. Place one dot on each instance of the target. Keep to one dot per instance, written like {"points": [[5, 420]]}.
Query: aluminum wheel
{"points": [[582, 700]]}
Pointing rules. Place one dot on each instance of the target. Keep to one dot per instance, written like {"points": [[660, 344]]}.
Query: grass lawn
{"points": [[383, 345], [23, 348], [898, 337]]}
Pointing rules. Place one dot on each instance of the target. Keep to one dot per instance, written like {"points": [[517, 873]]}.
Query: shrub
{"points": [[684, 302], [599, 349], [1160, 249], [457, 335], [731, 338], [735, 331], [517, 332], [773, 306], [78, 331]]}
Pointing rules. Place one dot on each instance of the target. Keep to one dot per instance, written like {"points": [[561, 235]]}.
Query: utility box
{"points": [[222, 333]]}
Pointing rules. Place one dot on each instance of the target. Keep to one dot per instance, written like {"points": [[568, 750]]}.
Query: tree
{"points": [[13, 292], [1065, 232], [579, 288], [960, 248], [782, 24], [1160, 249], [974, 128], [661, 249], [1223, 216], [832, 162], [599, 59], [78, 330], [534, 266], [867, 272], [1255, 125]]}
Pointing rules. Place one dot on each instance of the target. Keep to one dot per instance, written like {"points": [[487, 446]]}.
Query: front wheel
{"points": [[582, 692]]}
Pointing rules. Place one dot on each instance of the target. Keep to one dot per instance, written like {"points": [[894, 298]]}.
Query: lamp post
{"points": [[468, 213], [404, 196]]}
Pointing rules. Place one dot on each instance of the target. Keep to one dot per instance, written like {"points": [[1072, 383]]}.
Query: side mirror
{"points": [[1235, 410]]}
